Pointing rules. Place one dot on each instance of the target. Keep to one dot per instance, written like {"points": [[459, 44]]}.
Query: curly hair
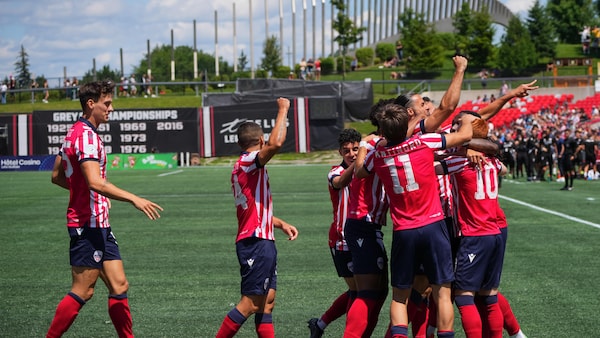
{"points": [[349, 135]]}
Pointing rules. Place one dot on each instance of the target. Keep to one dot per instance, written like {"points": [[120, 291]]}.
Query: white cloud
{"points": [[72, 33]]}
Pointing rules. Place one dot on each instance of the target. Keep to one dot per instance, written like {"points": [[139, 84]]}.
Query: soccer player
{"points": [[255, 241], [481, 249], [94, 253], [340, 179], [366, 216], [569, 152], [420, 237]]}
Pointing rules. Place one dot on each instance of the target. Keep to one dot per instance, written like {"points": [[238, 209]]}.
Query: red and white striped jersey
{"points": [[369, 201], [340, 200], [502, 222], [475, 192], [87, 208], [250, 185], [410, 181]]}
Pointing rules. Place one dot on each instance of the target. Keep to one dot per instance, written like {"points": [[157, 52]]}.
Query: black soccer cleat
{"points": [[315, 330]]}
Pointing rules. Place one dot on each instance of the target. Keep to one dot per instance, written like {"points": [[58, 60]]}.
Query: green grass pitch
{"points": [[183, 271]]}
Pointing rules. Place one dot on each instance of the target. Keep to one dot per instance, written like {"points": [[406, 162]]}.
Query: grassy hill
{"points": [[383, 86]]}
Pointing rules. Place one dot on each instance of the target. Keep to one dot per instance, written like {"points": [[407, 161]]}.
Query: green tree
{"points": [[569, 17], [23, 78], [422, 48], [348, 33], [184, 63], [463, 28], [517, 55], [474, 35], [365, 56], [481, 47], [385, 51], [272, 56], [242, 61], [541, 31], [103, 73]]}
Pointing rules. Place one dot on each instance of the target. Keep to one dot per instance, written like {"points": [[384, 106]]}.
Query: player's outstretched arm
{"points": [[287, 228], [493, 108], [91, 172], [278, 134]]}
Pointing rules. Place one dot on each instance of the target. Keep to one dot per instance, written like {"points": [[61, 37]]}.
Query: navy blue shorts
{"points": [[479, 263], [426, 248], [90, 247], [365, 241], [343, 262], [258, 265], [504, 233]]}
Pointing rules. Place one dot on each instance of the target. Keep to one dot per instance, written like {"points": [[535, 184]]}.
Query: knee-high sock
{"points": [[231, 324], [511, 325], [374, 314], [120, 314], [469, 316], [357, 318], [65, 315], [264, 325], [493, 316], [417, 308], [337, 309]]}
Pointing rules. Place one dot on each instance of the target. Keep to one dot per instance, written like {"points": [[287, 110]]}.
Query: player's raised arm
{"points": [[278, 133], [450, 100]]}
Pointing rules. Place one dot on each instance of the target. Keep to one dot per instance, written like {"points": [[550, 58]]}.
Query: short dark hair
{"points": [[393, 123], [249, 134], [95, 90], [376, 110], [349, 135], [404, 100]]}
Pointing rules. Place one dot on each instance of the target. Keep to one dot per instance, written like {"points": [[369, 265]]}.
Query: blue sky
{"points": [[72, 33]]}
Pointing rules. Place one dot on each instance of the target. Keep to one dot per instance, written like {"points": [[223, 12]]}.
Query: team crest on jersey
{"points": [[90, 149], [250, 262], [98, 256]]}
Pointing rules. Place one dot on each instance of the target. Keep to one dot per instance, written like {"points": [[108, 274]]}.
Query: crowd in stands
{"points": [[529, 127]]}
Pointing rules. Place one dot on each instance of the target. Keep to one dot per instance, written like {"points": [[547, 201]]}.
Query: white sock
{"points": [[519, 334]]}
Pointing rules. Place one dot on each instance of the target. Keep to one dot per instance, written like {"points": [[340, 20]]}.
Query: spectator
{"points": [[354, 64], [46, 92], [3, 89]]}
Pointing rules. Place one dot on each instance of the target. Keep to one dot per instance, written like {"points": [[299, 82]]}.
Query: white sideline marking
{"points": [[171, 173], [548, 211]]}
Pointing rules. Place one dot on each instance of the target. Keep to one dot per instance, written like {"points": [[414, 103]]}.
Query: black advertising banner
{"points": [[7, 135], [226, 120], [127, 132]]}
